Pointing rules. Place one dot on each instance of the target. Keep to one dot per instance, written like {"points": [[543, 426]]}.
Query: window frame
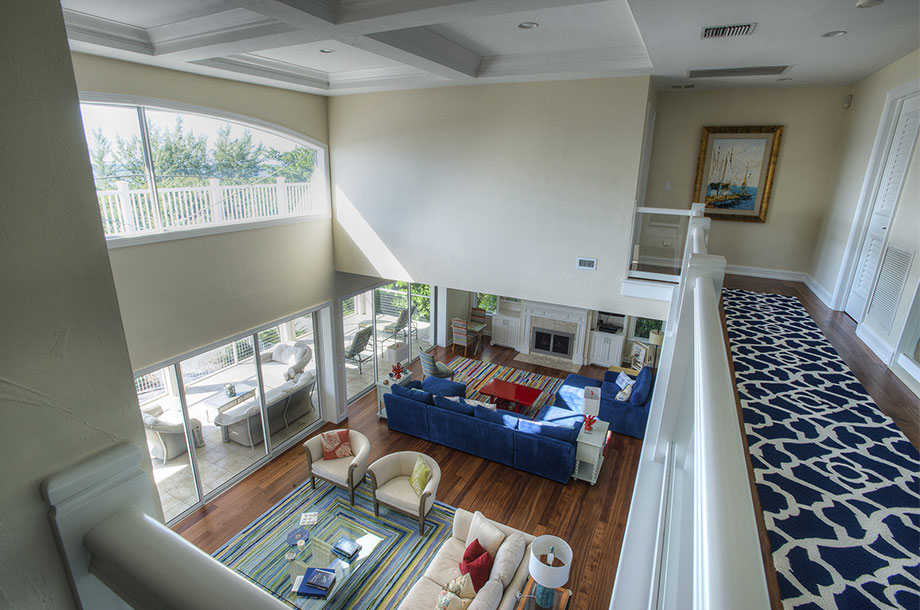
{"points": [[321, 175]]}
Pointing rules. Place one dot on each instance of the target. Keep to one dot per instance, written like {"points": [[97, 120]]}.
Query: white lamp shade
{"points": [[592, 402], [548, 576], [656, 337]]}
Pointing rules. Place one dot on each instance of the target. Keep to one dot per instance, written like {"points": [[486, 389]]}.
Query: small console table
{"points": [[385, 386], [589, 455]]}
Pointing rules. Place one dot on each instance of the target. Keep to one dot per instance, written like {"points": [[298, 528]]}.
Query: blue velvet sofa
{"points": [[540, 447], [625, 417]]}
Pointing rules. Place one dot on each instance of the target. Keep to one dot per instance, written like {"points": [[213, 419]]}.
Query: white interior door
{"points": [[883, 206]]}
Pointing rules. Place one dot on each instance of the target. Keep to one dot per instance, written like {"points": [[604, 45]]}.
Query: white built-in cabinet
{"points": [[606, 348], [505, 330]]}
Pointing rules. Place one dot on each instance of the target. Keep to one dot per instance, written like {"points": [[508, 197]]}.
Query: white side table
{"points": [[384, 386], [589, 455]]}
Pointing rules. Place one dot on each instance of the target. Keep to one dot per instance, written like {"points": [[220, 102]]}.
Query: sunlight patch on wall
{"points": [[367, 240]]}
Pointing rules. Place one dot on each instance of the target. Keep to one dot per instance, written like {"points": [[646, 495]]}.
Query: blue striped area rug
{"points": [[838, 482], [399, 558], [476, 373]]}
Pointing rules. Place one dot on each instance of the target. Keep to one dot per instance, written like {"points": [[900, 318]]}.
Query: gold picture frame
{"points": [[735, 170]]}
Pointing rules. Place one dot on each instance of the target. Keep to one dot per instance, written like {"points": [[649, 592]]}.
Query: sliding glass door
{"points": [[360, 346]]}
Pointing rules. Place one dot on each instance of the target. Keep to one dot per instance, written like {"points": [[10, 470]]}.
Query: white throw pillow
{"points": [[489, 596], [623, 381], [508, 558], [490, 537], [279, 352], [295, 355], [625, 393]]}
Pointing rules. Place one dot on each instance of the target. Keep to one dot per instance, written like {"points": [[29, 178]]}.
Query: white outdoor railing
{"points": [[692, 532], [125, 211]]}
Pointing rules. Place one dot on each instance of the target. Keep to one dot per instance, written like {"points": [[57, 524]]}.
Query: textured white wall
{"points": [[492, 188], [66, 388]]}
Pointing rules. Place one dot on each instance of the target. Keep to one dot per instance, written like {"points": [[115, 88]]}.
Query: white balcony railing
{"points": [[691, 538], [126, 211]]}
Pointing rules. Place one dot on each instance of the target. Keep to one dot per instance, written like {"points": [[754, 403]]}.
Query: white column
{"points": [[282, 196], [442, 320], [217, 206], [328, 336], [127, 210]]}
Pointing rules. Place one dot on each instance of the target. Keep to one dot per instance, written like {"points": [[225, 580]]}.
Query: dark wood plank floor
{"points": [[893, 397], [590, 518]]}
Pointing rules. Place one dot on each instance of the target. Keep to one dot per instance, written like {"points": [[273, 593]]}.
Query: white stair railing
{"points": [[119, 557], [691, 538]]}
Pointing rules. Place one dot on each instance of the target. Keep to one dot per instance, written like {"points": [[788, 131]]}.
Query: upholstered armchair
{"points": [[166, 435], [346, 472], [390, 485], [433, 368]]}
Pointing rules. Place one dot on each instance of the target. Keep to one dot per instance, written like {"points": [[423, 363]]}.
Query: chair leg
{"points": [[421, 525], [351, 495], [376, 507], [312, 481]]}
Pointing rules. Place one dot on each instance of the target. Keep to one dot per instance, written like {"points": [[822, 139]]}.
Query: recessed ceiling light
{"points": [[867, 3], [529, 25], [327, 51], [834, 33], [785, 78]]}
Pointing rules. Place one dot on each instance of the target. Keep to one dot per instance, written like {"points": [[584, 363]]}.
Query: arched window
{"points": [[164, 173]]}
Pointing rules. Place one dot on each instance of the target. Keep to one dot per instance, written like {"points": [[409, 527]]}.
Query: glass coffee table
{"points": [[276, 573]]}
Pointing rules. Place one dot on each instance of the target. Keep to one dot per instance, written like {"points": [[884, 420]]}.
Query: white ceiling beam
{"points": [[98, 31]]}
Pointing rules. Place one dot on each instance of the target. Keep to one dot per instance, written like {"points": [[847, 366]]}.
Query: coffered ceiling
{"points": [[334, 47]]}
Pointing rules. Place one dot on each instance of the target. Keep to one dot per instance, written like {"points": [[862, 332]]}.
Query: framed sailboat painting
{"points": [[734, 172]]}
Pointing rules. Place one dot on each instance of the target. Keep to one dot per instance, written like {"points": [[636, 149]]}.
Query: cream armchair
{"points": [[166, 433], [346, 472], [390, 485]]}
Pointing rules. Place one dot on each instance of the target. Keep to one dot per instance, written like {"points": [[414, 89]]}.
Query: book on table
{"points": [[345, 547], [316, 582]]}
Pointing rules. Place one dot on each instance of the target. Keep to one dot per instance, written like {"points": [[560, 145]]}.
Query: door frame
{"points": [[894, 100]]}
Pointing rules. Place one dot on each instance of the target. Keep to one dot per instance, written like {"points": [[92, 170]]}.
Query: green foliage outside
{"points": [[487, 301], [391, 299], [183, 158], [644, 327]]}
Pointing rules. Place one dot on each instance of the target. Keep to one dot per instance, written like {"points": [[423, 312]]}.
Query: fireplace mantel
{"points": [[560, 313]]}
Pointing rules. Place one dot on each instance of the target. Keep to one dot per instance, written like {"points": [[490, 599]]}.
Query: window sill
{"points": [[126, 241]]}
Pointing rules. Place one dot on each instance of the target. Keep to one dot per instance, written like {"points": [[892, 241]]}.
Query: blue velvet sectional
{"points": [[625, 417], [540, 447]]}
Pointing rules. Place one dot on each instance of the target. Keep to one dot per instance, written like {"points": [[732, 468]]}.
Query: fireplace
{"points": [[552, 342]]}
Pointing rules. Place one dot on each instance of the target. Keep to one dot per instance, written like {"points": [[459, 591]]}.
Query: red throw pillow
{"points": [[479, 570], [473, 551], [336, 444]]}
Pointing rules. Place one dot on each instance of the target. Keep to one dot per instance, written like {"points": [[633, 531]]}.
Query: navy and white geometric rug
{"points": [[838, 481]]}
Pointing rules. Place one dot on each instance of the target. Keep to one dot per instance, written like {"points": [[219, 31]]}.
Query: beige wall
{"points": [[66, 388], [180, 295], [492, 188], [857, 138], [811, 118]]}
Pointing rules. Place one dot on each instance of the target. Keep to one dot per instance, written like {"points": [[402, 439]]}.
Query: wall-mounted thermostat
{"points": [[586, 263]]}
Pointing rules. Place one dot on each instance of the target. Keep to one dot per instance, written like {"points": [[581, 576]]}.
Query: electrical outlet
{"points": [[666, 243], [667, 185]]}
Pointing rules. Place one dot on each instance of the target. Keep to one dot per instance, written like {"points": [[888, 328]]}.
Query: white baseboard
{"points": [[907, 371], [771, 274], [819, 290], [874, 342]]}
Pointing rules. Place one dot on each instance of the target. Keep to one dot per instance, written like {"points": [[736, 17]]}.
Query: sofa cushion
{"points": [[333, 470], [560, 416], [421, 596], [446, 563], [562, 433], [453, 403], [417, 395], [398, 492], [502, 419], [444, 387], [571, 394], [488, 597], [415, 384], [490, 537], [642, 388], [508, 558]]}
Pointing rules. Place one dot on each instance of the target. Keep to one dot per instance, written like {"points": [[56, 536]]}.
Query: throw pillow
{"points": [[491, 415], [642, 387], [421, 472], [462, 587], [412, 394], [508, 558], [453, 403], [336, 444], [490, 537], [449, 601], [488, 597], [473, 550], [623, 380], [625, 393], [479, 569]]}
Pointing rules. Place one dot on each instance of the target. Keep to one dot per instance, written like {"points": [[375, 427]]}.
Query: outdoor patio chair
{"points": [[399, 326], [358, 344], [433, 368], [166, 435]]}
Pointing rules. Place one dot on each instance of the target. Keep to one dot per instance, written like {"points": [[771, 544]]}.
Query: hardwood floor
{"points": [[891, 395], [590, 518]]}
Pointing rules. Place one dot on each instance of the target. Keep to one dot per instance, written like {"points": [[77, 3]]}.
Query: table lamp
{"points": [[591, 407], [656, 338], [543, 551]]}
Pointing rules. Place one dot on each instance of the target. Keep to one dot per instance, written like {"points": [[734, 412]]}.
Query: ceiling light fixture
{"points": [[529, 25], [779, 80], [834, 33], [867, 3], [327, 51]]}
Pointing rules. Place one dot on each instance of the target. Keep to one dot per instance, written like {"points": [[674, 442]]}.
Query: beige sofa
{"points": [[445, 566]]}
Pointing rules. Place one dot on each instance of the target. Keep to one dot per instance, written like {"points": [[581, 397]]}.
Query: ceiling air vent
{"points": [[727, 31], [753, 71]]}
